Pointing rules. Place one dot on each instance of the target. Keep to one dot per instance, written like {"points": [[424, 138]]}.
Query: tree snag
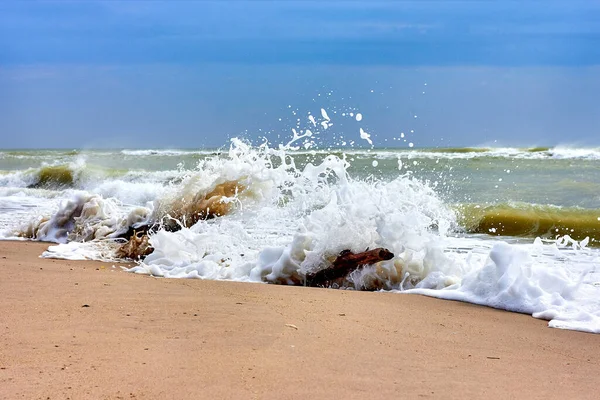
{"points": [[344, 264]]}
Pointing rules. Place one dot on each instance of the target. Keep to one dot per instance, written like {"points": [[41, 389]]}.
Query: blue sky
{"points": [[191, 74]]}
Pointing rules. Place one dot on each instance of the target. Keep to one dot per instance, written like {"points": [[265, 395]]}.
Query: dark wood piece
{"points": [[345, 263]]}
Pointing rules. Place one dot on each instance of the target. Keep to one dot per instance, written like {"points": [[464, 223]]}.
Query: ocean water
{"points": [[511, 228]]}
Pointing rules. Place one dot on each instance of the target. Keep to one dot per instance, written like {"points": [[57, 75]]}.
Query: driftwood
{"points": [[344, 264]]}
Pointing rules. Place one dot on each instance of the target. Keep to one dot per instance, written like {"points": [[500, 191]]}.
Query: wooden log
{"points": [[344, 264]]}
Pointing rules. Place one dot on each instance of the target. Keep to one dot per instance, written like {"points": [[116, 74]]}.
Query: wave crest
{"points": [[530, 220]]}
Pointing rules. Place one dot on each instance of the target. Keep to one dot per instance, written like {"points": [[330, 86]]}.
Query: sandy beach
{"points": [[74, 330]]}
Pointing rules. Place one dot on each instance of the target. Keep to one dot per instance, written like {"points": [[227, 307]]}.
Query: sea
{"points": [[511, 228]]}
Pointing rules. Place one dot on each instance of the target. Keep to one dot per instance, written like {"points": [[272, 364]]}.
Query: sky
{"points": [[149, 74]]}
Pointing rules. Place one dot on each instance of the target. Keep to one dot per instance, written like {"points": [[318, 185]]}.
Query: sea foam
{"points": [[550, 282]]}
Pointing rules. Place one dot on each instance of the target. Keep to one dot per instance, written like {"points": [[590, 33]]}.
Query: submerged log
{"points": [[346, 263]]}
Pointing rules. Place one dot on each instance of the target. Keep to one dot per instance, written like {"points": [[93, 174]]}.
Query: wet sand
{"points": [[75, 330]]}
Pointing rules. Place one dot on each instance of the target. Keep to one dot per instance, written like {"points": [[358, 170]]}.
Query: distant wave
{"points": [[37, 154], [79, 175], [531, 220], [577, 153], [40, 151], [533, 153], [462, 150], [466, 153], [167, 153]]}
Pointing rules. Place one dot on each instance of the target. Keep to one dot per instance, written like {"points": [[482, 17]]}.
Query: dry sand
{"points": [[149, 338]]}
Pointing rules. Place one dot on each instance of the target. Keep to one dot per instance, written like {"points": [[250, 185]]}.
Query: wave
{"points": [[192, 155], [41, 155], [462, 150], [534, 153], [129, 186], [68, 175], [47, 176], [56, 176], [24, 152], [574, 153], [167, 153], [538, 149], [531, 220]]}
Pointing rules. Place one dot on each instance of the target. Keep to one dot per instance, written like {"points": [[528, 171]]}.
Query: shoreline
{"points": [[143, 337]]}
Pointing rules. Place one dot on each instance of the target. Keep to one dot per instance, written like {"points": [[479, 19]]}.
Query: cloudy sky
{"points": [[193, 74]]}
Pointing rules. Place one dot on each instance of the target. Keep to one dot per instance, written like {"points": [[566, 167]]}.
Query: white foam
{"points": [[19, 205], [83, 217], [80, 251], [563, 152], [552, 282], [136, 193]]}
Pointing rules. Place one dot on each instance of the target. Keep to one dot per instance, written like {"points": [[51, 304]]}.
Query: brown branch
{"points": [[345, 263]]}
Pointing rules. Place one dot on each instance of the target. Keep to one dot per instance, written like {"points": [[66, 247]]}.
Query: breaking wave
{"points": [[530, 220]]}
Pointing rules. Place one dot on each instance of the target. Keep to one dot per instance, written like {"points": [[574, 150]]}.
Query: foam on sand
{"points": [[546, 281]]}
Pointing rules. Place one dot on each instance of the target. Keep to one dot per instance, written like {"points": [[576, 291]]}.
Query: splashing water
{"points": [[274, 220]]}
